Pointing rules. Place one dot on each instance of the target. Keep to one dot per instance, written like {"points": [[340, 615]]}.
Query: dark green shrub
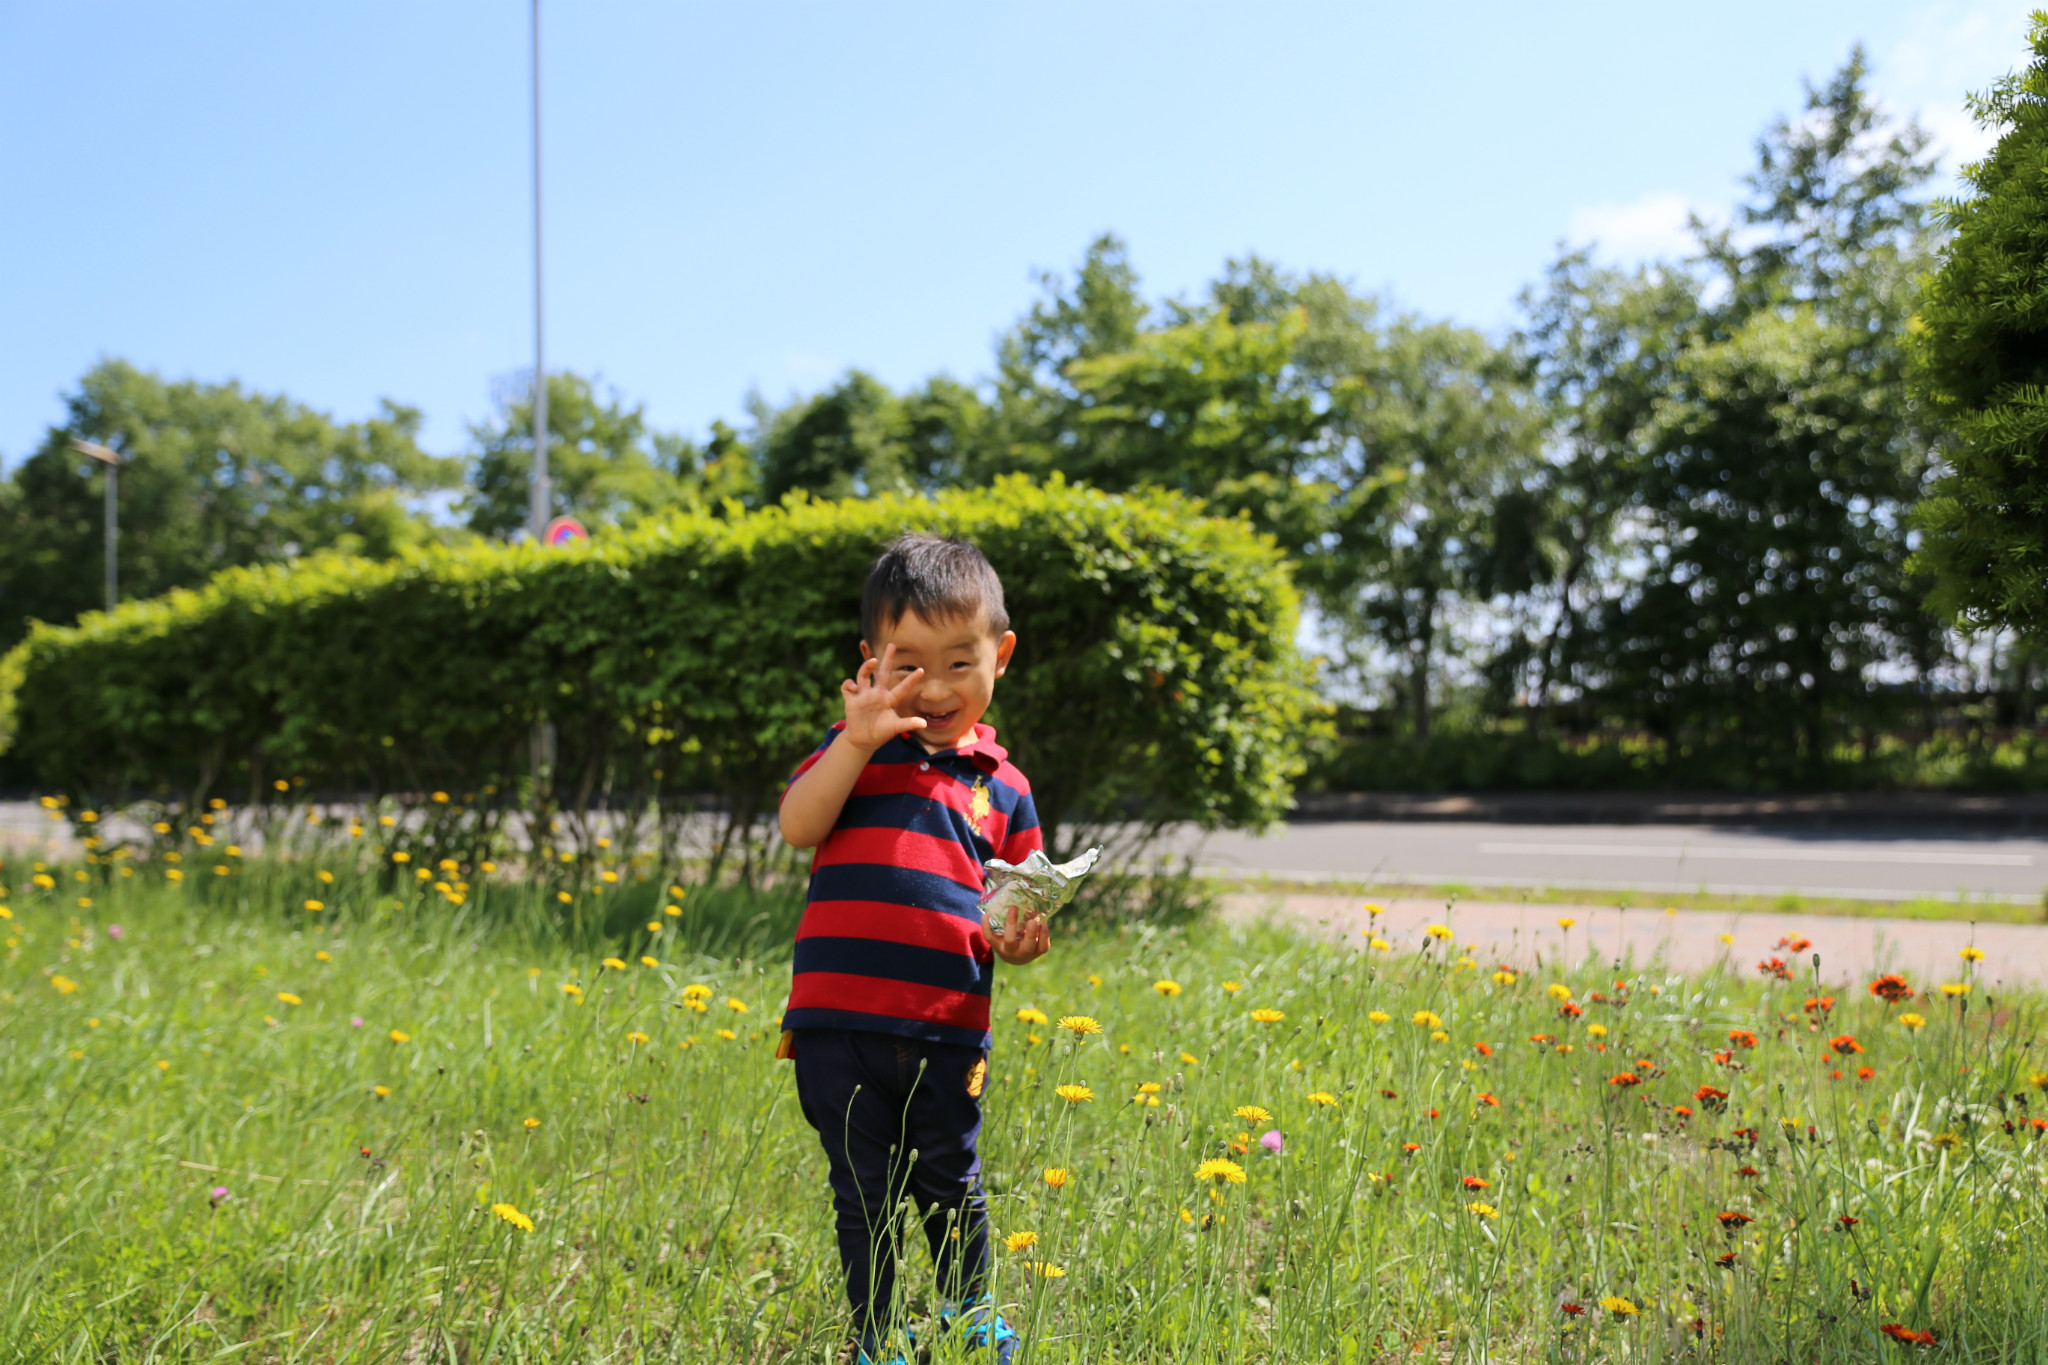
{"points": [[1155, 679]]}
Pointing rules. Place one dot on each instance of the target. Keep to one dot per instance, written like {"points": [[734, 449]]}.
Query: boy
{"points": [[889, 1001]]}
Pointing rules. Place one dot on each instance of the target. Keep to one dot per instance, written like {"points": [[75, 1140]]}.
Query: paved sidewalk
{"points": [[1851, 950]]}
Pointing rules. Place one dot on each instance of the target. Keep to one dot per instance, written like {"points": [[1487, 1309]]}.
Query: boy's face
{"points": [[961, 662]]}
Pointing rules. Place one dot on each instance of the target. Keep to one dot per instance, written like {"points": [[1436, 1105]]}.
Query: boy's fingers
{"points": [[902, 689]]}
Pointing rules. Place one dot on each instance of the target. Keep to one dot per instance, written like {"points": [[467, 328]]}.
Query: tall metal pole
{"points": [[110, 463], [113, 534], [538, 502]]}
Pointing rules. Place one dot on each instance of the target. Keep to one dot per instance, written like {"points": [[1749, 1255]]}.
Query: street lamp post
{"points": [[110, 460]]}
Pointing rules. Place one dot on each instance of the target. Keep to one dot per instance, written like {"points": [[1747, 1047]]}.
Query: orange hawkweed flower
{"points": [[1411, 1146], [1625, 1080], [1818, 1004], [1683, 1111], [1733, 1221], [1845, 1044], [1864, 1073], [1906, 1334], [1710, 1097], [1484, 1098], [1482, 1049], [1775, 967], [1891, 988], [1741, 1037], [1570, 1010], [1473, 1182]]}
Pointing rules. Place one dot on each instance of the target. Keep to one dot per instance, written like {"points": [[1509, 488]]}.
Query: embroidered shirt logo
{"points": [[978, 807]]}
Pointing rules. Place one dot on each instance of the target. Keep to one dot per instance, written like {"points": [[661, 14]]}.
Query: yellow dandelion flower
{"points": [[1074, 1094], [727, 1034], [672, 910], [1031, 1016], [1973, 954], [323, 956], [1322, 1097], [1483, 1210], [380, 1091], [1251, 1113], [530, 1123], [288, 998], [735, 1004], [1190, 1059], [1380, 1017], [1439, 1036], [163, 1065], [696, 992], [616, 964], [400, 1036], [1080, 1025], [1148, 1087], [1167, 988], [1265, 1016], [1380, 945], [1557, 990], [1220, 1170], [1503, 977], [1566, 922], [1094, 980], [1952, 989], [649, 962], [564, 897], [1437, 931], [512, 1215], [636, 1039], [1056, 1177], [1425, 1019], [401, 857], [1619, 1306], [1596, 1030], [1727, 938], [653, 927], [1045, 1270], [63, 985], [1375, 910], [1018, 1241], [571, 988]]}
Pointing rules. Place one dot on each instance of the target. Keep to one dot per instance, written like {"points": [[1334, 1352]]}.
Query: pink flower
{"points": [[1272, 1141], [355, 1021], [217, 1194], [114, 932]]}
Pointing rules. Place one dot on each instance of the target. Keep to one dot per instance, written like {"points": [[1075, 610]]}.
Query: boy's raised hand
{"points": [[871, 719], [1022, 943]]}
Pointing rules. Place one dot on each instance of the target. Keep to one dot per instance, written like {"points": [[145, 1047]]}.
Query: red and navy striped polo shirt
{"points": [[891, 939]]}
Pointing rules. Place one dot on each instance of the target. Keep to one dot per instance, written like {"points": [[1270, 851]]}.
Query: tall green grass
{"points": [[198, 1169]]}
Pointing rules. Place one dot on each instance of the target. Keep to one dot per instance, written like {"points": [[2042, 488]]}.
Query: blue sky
{"points": [[332, 200]]}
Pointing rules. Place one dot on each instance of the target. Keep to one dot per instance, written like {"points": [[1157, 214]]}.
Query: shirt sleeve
{"points": [[808, 763], [1024, 835]]}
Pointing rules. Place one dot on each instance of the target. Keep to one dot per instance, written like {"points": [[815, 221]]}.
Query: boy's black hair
{"points": [[936, 577]]}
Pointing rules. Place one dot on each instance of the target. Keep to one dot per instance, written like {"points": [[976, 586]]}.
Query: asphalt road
{"points": [[1888, 864], [1881, 865]]}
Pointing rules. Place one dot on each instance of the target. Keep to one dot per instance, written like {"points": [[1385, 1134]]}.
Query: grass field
{"points": [[399, 1128]]}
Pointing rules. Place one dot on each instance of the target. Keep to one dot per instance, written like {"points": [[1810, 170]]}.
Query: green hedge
{"points": [[1155, 678]]}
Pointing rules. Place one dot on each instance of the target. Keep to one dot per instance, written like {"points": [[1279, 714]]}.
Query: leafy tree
{"points": [[214, 476], [1982, 353], [1771, 485], [604, 466]]}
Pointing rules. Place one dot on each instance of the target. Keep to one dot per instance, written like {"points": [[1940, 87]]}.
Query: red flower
{"points": [[1845, 1222], [1571, 1310], [1864, 1073], [1749, 1133], [1388, 1094], [1473, 1182], [1891, 988], [1570, 1010], [1741, 1037], [1482, 1049], [1845, 1044], [1907, 1335], [1625, 1079], [1748, 1170], [1540, 1038], [1434, 1114], [1725, 1260], [1711, 1097], [1645, 1064], [1733, 1221], [1485, 1098], [1775, 966], [1683, 1111], [1411, 1146], [1820, 1003], [1792, 945], [1724, 1058]]}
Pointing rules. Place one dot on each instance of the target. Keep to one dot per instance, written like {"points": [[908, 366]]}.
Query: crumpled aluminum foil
{"points": [[1037, 887]]}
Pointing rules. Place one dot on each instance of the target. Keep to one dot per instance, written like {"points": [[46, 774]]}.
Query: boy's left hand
{"points": [[1022, 943]]}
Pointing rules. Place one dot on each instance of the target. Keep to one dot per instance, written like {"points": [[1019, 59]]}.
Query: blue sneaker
{"points": [[861, 1357], [981, 1327]]}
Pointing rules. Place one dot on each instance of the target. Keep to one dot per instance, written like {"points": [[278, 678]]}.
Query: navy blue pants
{"points": [[896, 1119]]}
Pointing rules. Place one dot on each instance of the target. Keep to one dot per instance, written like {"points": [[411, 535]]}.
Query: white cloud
{"points": [[1652, 226], [1950, 49]]}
